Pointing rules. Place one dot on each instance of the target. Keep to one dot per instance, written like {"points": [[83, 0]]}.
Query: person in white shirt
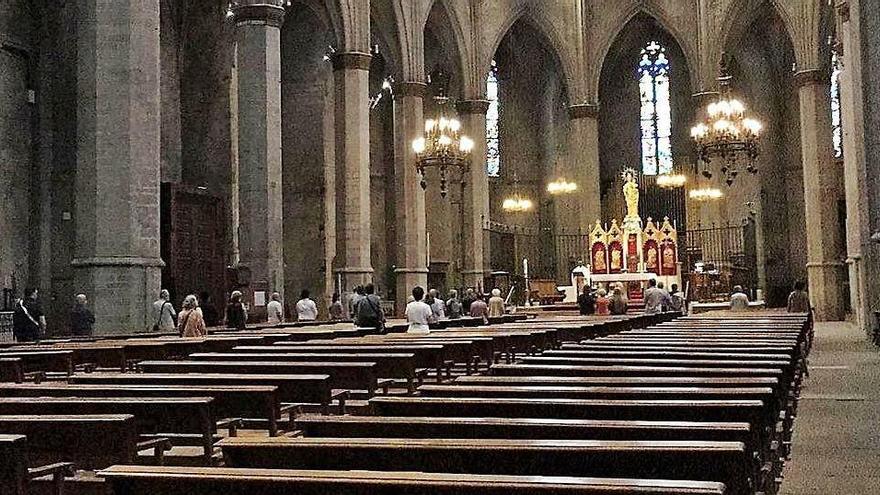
{"points": [[418, 314], [438, 306], [306, 309], [163, 313], [739, 301], [655, 298], [275, 310]]}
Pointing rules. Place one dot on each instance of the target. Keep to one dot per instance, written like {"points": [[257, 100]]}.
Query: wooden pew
{"points": [[230, 401], [312, 425], [388, 365], [726, 462], [622, 381], [60, 361], [89, 441], [146, 480], [16, 477], [11, 370], [189, 417], [587, 370], [346, 375], [665, 353], [314, 389], [599, 392]]}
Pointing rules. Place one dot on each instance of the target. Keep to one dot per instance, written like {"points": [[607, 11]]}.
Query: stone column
{"points": [[583, 157], [412, 268], [861, 269], [117, 263], [825, 269], [351, 73], [475, 200], [258, 71]]}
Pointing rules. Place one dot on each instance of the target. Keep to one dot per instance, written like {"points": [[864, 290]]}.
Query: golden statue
{"points": [[631, 222]]}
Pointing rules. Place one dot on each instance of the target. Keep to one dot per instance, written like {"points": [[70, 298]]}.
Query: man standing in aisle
{"points": [[275, 310]]}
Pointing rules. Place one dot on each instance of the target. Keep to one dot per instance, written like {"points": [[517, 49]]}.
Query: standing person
{"points": [[306, 309], [438, 307], [163, 313], [81, 318], [369, 310], [236, 314], [676, 299], [799, 300], [209, 309], [418, 314], [192, 322], [479, 309], [617, 303], [602, 303], [587, 301], [28, 321], [739, 301], [654, 298], [664, 304], [336, 310], [353, 302], [453, 305], [496, 304], [470, 295], [274, 310]]}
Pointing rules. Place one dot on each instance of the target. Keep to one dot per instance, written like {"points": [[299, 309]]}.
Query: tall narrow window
{"points": [[493, 150], [656, 113], [836, 122]]}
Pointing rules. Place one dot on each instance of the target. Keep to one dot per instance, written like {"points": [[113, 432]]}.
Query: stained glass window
{"points": [[656, 113], [493, 151], [836, 123]]}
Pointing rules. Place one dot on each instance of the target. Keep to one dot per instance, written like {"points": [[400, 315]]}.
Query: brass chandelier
{"points": [[443, 146], [727, 135]]}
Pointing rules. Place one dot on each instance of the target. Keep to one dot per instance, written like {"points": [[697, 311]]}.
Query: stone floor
{"points": [[837, 432]]}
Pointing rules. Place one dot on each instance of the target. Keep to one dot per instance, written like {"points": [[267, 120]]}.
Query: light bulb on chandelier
{"points": [[561, 186]]}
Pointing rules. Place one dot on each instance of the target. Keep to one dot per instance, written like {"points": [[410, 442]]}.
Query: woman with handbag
{"points": [[163, 313], [192, 322]]}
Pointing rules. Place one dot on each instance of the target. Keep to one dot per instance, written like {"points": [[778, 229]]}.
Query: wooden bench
{"points": [[146, 480], [291, 388], [59, 361], [230, 401], [597, 392], [311, 425], [11, 370], [188, 418], [667, 354], [726, 462], [623, 381], [16, 477], [89, 441], [345, 375], [388, 365], [572, 370]]}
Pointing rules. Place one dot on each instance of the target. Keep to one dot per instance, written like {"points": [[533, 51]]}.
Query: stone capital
{"points": [[117, 261], [704, 98], [416, 89], [469, 107], [583, 111], [258, 14], [351, 61], [812, 77]]}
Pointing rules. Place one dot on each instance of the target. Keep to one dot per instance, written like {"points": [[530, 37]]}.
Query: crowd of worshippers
{"points": [[423, 308]]}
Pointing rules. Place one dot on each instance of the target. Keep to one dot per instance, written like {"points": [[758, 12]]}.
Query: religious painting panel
{"points": [[652, 256], [632, 253], [669, 256], [615, 250], [599, 258]]}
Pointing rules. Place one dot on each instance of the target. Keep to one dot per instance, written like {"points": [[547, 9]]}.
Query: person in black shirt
{"points": [[28, 321], [587, 301], [81, 318], [209, 310], [236, 316]]}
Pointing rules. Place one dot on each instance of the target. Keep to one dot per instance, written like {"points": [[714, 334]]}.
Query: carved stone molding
{"points": [[351, 61]]}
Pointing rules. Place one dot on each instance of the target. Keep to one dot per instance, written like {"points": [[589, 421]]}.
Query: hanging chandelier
{"points": [[517, 204], [561, 186], [727, 135], [671, 181], [706, 194], [443, 146]]}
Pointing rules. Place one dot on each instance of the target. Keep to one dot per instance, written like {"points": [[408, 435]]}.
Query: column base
{"points": [[407, 279], [826, 280], [120, 290]]}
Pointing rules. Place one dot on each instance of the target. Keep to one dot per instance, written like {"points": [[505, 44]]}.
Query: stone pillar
{"points": [[258, 69], [117, 263], [475, 200], [862, 268], [583, 157], [351, 72], [412, 268], [825, 269]]}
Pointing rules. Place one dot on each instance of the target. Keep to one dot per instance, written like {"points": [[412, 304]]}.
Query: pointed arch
{"points": [[737, 19], [552, 38], [623, 21], [446, 16]]}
